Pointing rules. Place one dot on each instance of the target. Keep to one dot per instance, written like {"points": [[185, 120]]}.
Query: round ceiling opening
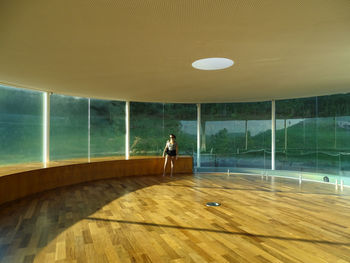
{"points": [[212, 63]]}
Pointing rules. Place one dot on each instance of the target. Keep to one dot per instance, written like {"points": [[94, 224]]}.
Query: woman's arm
{"points": [[177, 151], [166, 146]]}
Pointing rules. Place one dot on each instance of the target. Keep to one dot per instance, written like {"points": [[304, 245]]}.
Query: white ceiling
{"points": [[142, 50]]}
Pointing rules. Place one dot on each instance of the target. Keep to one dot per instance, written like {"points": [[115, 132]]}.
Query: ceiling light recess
{"points": [[212, 63]]}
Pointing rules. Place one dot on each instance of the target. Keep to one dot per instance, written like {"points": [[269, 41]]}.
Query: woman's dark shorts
{"points": [[171, 153]]}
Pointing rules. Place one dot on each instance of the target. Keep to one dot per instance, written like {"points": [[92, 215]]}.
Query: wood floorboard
{"points": [[163, 219]]}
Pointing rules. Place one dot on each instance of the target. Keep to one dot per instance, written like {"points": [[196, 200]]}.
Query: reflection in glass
{"points": [[313, 134], [236, 135], [334, 135], [296, 134]]}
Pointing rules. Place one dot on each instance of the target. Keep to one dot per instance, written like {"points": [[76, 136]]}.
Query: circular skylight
{"points": [[212, 63]]}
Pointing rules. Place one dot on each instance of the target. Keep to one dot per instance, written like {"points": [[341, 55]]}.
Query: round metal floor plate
{"points": [[213, 204]]}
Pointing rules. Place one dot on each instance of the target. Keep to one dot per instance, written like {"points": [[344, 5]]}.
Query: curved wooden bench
{"points": [[21, 184]]}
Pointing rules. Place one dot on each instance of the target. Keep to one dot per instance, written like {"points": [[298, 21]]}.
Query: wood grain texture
{"points": [[58, 174], [163, 219]]}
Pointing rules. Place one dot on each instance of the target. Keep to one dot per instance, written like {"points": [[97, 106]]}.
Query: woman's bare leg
{"points": [[165, 163], [172, 165]]}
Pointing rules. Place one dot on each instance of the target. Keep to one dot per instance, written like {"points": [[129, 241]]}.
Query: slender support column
{"points": [[335, 132], [46, 128], [246, 134], [89, 125], [127, 129], [285, 135], [273, 133], [198, 135]]}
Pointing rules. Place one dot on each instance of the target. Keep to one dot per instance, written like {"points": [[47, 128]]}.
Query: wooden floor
{"points": [[155, 219]]}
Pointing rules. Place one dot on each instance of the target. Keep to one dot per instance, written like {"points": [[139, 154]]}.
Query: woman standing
{"points": [[170, 151]]}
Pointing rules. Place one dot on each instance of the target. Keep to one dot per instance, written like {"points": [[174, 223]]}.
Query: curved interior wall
{"points": [[312, 134]]}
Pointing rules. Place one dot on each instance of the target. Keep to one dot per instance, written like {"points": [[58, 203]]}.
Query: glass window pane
{"points": [[69, 127], [236, 135], [107, 128], [296, 134], [181, 120], [21, 126], [151, 124], [333, 129], [146, 128]]}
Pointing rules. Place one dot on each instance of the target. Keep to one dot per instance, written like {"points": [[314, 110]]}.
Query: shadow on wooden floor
{"points": [[31, 223]]}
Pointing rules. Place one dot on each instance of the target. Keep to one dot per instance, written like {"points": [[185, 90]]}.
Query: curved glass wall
{"points": [[181, 120], [333, 134], [296, 134], [312, 134], [151, 124], [146, 128], [236, 135], [21, 125], [107, 128], [68, 127]]}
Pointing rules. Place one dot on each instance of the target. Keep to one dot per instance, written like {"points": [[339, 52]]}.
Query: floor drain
{"points": [[213, 204]]}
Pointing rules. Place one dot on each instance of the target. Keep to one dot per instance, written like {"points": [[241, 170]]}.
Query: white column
{"points": [[127, 128], [46, 128], [246, 134], [273, 133], [89, 152], [198, 135]]}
